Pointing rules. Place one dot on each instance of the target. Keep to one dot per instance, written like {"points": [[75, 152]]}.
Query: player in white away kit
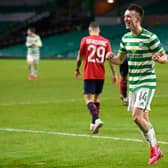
{"points": [[33, 43], [143, 49]]}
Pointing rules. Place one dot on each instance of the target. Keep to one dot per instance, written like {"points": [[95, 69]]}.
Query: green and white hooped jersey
{"points": [[33, 50], [139, 50]]}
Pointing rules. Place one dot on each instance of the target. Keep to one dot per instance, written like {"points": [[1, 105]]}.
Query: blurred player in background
{"points": [[123, 82], [33, 44], [143, 49], [94, 49]]}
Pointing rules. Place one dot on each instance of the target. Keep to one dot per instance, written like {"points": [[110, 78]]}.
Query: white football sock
{"points": [[151, 136]]}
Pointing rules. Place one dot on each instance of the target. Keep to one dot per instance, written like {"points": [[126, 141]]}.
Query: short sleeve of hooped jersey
{"points": [[122, 48], [155, 45]]}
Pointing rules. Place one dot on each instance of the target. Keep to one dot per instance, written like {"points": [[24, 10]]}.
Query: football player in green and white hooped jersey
{"points": [[33, 44], [143, 49]]}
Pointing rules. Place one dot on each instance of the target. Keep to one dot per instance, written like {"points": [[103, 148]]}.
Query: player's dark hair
{"points": [[139, 9], [32, 29], [94, 25]]}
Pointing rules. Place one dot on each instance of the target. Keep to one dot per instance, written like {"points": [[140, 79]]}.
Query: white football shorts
{"points": [[33, 58], [141, 98]]}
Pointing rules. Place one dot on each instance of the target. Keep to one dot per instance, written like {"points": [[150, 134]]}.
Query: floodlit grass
{"points": [[55, 103]]}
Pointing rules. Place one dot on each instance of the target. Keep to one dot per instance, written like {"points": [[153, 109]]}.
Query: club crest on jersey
{"points": [[140, 44]]}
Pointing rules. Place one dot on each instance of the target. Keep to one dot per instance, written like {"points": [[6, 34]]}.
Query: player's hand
{"points": [[156, 56], [115, 79], [77, 74], [109, 55], [32, 45], [160, 57]]}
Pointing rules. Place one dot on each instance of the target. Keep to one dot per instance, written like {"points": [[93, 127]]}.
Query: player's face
{"points": [[29, 32], [131, 19]]}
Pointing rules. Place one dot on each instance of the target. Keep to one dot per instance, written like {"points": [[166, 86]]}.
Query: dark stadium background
{"points": [[62, 24]]}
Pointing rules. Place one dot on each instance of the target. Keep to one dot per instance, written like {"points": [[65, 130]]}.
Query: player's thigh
{"points": [[131, 100], [36, 60], [89, 90], [137, 113], [144, 98], [89, 86], [30, 59], [99, 87]]}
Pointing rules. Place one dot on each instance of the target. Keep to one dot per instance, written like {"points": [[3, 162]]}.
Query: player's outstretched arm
{"points": [[119, 59], [160, 57]]}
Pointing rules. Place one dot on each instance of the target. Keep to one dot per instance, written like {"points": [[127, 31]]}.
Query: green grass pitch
{"points": [[54, 104]]}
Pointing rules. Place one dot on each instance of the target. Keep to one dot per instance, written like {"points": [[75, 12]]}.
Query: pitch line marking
{"points": [[74, 135]]}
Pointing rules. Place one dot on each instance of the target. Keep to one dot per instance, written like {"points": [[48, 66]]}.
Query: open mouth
{"points": [[127, 24]]}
